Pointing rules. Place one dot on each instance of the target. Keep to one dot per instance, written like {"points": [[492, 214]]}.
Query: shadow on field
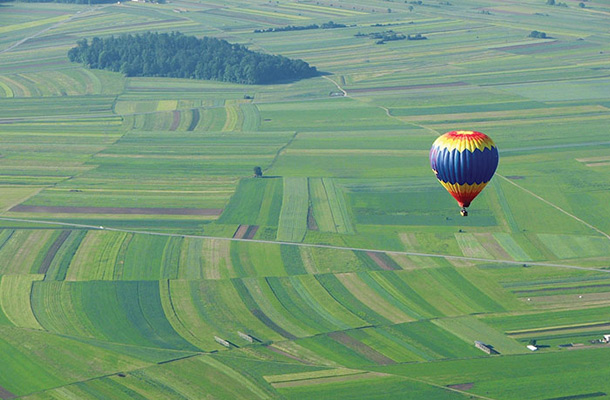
{"points": [[293, 80]]}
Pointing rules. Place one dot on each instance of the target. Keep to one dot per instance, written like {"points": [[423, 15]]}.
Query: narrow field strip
{"points": [[576, 327], [299, 376], [311, 245], [15, 299], [330, 379], [293, 215]]}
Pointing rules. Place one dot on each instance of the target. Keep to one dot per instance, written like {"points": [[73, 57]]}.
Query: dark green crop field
{"points": [[141, 259]]}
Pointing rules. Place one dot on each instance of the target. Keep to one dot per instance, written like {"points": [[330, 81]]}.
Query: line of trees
{"points": [[179, 56], [382, 36], [390, 35], [326, 25]]}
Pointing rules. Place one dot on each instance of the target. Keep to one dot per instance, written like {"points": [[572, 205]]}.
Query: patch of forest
{"points": [[176, 55]]}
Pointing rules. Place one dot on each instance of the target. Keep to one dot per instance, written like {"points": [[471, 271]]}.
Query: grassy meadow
{"points": [[140, 258]]}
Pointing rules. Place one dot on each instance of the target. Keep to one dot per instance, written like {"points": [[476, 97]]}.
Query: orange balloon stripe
{"points": [[465, 193]]}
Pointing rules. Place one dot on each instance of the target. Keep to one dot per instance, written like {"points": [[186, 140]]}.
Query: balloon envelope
{"points": [[464, 162]]}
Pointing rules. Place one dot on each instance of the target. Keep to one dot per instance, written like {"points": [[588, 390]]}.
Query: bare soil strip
{"points": [[252, 229], [361, 348], [525, 46], [116, 210], [329, 379], [312, 225], [462, 386], [175, 121], [580, 396], [240, 233], [5, 394], [380, 261], [245, 232], [48, 258]]}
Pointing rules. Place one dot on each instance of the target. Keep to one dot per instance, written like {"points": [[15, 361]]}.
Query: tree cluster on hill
{"points": [[387, 36], [538, 35], [389, 24], [390, 35], [382, 37], [178, 56], [556, 3], [326, 25]]}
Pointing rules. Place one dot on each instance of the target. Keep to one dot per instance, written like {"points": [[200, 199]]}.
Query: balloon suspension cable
{"points": [[464, 212]]}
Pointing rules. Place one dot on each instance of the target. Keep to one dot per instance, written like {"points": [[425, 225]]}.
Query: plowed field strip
{"points": [[44, 266], [375, 256], [361, 348], [176, 120], [5, 394], [252, 229], [329, 380], [241, 231]]}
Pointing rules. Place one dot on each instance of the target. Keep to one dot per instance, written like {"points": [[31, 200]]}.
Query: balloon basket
{"points": [[464, 212]]}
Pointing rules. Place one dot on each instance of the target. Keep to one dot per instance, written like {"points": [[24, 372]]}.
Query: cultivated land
{"points": [[140, 259]]}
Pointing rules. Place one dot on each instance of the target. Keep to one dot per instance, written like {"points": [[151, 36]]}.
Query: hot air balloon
{"points": [[464, 162]]}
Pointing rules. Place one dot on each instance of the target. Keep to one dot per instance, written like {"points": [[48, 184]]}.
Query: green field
{"points": [[140, 257]]}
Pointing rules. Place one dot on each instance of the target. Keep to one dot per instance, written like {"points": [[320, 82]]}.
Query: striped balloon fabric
{"points": [[464, 162]]}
